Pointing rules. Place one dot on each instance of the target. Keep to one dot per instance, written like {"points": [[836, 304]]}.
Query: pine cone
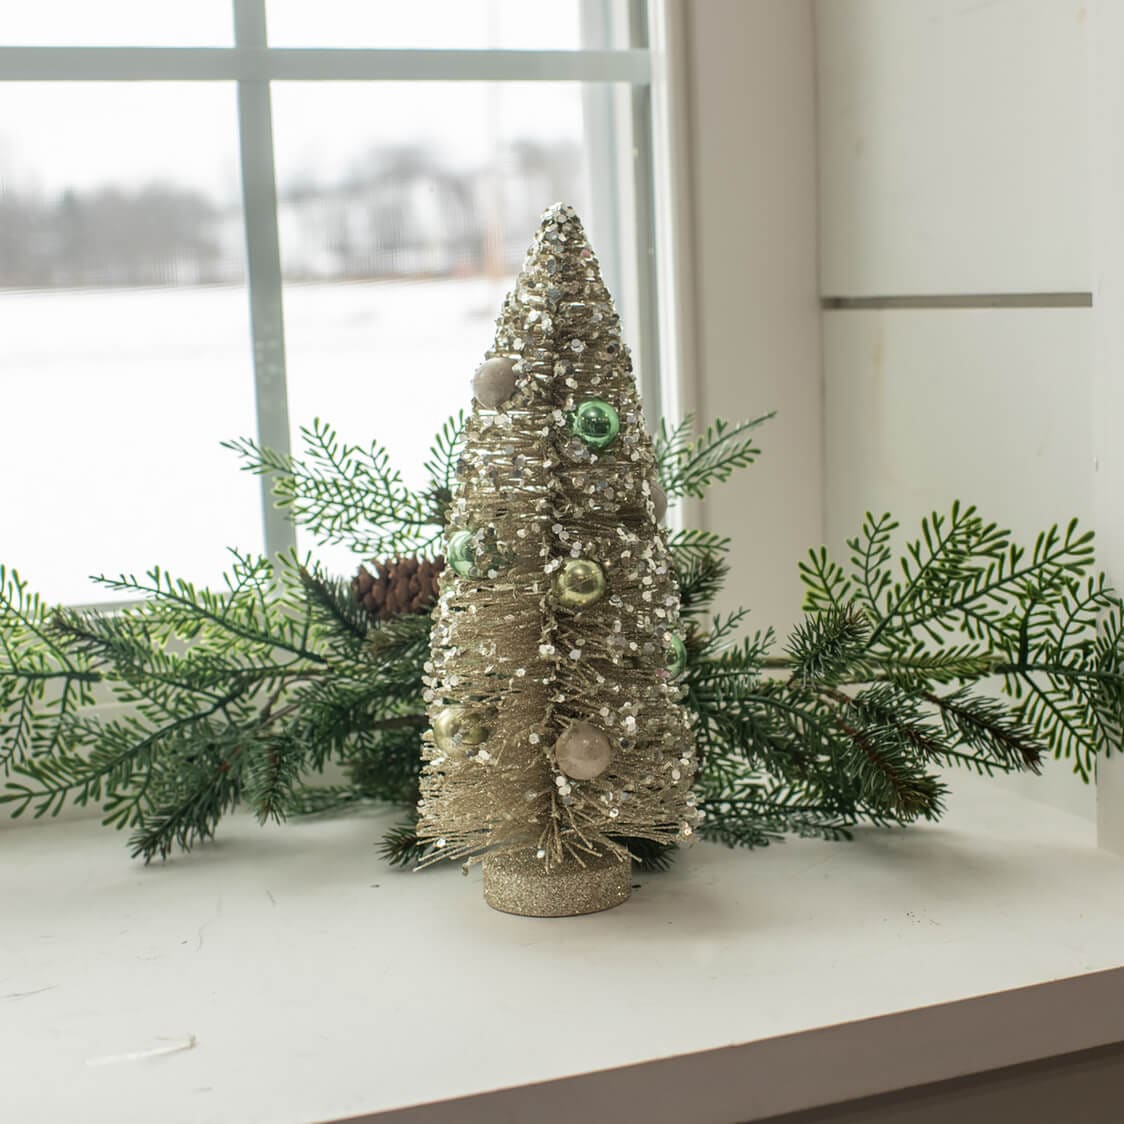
{"points": [[402, 585]]}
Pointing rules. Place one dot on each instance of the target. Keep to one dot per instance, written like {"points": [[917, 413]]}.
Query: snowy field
{"points": [[114, 403]]}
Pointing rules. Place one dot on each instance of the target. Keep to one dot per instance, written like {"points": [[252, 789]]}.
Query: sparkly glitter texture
{"points": [[541, 501], [520, 883]]}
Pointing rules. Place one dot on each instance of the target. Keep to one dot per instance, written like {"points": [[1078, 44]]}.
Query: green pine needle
{"points": [[689, 468], [192, 701], [825, 646]]}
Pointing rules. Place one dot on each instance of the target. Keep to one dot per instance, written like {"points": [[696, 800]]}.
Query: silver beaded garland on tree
{"points": [[558, 731]]}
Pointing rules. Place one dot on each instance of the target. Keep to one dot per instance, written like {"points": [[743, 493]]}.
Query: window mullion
{"points": [[619, 140], [263, 264], [314, 64]]}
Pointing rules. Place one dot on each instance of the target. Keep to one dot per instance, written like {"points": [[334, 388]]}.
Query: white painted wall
{"points": [[953, 146], [975, 148], [988, 406], [750, 98], [1106, 215]]}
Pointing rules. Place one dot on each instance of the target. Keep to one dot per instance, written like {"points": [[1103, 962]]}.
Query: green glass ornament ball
{"points": [[596, 423], [676, 659], [461, 554], [579, 583], [457, 727]]}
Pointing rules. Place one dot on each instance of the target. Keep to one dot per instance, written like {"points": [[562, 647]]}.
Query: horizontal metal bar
{"points": [[308, 64], [964, 300]]}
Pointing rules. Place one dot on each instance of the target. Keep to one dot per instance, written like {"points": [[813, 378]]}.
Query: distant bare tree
{"points": [[398, 211], [417, 211], [159, 234], [23, 249]]}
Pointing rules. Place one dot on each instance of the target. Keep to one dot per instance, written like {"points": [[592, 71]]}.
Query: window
{"points": [[231, 217]]}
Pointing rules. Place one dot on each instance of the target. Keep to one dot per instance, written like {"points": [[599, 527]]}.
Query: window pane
{"points": [[116, 23], [124, 352], [468, 24], [400, 235]]}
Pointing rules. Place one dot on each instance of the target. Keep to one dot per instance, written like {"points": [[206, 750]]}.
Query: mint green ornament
{"points": [[596, 423], [676, 658], [462, 553]]}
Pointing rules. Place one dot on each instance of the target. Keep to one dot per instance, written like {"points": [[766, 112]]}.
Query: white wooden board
{"points": [[953, 146], [756, 305], [1107, 219], [284, 976], [991, 407]]}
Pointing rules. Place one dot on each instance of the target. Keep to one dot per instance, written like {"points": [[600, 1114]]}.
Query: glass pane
{"points": [[116, 23], [124, 351], [400, 235], [468, 24]]}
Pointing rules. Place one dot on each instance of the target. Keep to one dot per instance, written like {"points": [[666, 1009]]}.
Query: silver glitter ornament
{"points": [[580, 583], [494, 382], [583, 751], [458, 727]]}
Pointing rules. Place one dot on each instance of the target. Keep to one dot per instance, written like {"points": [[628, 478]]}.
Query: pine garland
{"points": [[963, 649]]}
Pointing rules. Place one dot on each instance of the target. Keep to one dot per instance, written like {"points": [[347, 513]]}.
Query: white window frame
{"points": [[616, 139]]}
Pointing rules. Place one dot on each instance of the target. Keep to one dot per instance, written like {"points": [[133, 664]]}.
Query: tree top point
{"points": [[558, 214]]}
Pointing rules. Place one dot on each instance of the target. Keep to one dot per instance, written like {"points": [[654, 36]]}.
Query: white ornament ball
{"points": [[583, 751], [494, 382], [659, 500]]}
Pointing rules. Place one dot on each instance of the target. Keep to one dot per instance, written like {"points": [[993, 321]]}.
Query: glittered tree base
{"points": [[517, 882]]}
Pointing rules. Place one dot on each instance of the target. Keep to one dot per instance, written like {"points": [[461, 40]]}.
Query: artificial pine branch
{"points": [[825, 646], [878, 685], [34, 662], [342, 493], [243, 694], [441, 466], [688, 467]]}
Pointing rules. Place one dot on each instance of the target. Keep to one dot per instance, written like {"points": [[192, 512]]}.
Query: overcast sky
{"points": [[58, 135]]}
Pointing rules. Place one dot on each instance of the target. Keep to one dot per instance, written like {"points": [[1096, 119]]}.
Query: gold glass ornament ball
{"points": [[458, 727], [583, 751], [579, 583]]}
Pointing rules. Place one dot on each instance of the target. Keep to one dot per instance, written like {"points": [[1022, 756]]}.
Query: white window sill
{"points": [[317, 984]]}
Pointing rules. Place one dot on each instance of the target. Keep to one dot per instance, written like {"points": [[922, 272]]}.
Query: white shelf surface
{"points": [[313, 983]]}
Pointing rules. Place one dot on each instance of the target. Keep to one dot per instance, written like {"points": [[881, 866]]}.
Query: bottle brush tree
{"points": [[555, 700], [557, 722]]}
